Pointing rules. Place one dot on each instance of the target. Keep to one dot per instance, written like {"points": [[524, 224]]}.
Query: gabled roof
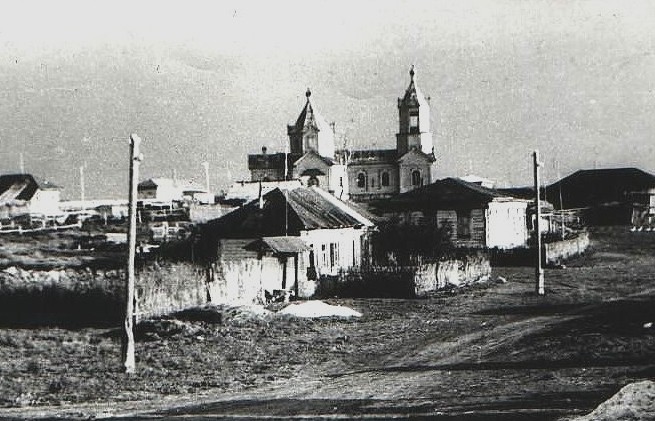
{"points": [[448, 193], [278, 245], [313, 154], [630, 178], [599, 186], [413, 96], [429, 157], [285, 213], [21, 187]]}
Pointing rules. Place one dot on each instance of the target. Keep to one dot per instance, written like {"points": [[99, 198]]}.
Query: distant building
{"points": [[168, 190], [613, 196], [311, 158], [361, 175], [23, 194], [382, 173], [473, 215]]}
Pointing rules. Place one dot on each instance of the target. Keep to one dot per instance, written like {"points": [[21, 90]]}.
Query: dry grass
{"points": [[487, 344]]}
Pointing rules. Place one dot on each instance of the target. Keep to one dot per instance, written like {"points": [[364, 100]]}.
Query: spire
{"points": [[308, 93], [412, 73]]}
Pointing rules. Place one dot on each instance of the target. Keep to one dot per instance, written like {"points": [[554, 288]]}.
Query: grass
{"points": [[493, 345]]}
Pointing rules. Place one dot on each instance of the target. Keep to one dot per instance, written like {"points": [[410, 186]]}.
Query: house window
{"points": [[313, 181], [385, 179], [334, 254], [416, 178], [361, 180], [324, 256], [464, 224]]}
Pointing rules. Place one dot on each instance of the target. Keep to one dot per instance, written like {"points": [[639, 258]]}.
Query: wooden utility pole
{"points": [[128, 337], [539, 271]]}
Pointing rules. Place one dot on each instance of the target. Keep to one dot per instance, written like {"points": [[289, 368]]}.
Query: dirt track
{"points": [[494, 351]]}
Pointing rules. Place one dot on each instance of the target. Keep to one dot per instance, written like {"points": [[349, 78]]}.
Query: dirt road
{"points": [[492, 351]]}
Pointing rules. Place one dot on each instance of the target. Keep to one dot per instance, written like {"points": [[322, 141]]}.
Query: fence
{"points": [[88, 297], [406, 281]]}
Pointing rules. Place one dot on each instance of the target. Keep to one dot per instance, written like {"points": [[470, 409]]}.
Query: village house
{"points": [[24, 194], [474, 216], [359, 175], [612, 196], [286, 240]]}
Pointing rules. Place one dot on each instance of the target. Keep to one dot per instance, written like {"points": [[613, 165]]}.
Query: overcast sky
{"points": [[214, 81]]}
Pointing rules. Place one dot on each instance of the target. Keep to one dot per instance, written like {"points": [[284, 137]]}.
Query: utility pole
{"points": [[82, 187], [539, 271], [206, 167], [129, 364]]}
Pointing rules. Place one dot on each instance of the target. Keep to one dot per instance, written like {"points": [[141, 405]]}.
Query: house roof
{"points": [[21, 187], [285, 212], [278, 245], [599, 186], [448, 193]]}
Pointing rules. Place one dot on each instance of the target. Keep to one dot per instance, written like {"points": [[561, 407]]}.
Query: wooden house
{"points": [[611, 196], [23, 194], [285, 240], [473, 215]]}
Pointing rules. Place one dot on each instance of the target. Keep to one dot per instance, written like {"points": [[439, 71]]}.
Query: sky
{"points": [[203, 81]]}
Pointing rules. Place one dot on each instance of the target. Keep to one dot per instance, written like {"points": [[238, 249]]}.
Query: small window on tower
{"points": [[413, 123]]}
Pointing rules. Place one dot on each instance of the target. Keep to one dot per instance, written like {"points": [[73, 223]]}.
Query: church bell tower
{"points": [[414, 120]]}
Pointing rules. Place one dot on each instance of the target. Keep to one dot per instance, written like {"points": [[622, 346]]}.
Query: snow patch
{"points": [[316, 308]]}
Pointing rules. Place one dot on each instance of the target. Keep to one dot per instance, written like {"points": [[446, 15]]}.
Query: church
{"points": [[358, 175]]}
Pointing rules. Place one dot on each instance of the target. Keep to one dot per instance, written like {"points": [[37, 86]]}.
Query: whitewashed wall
{"points": [[506, 225]]}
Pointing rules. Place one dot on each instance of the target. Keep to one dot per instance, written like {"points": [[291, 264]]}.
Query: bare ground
{"points": [[490, 351]]}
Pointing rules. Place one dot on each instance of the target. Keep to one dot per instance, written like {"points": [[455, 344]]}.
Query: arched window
{"points": [[416, 178], [385, 179], [361, 180]]}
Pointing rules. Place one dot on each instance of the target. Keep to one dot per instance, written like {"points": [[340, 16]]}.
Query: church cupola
{"points": [[311, 132], [414, 120]]}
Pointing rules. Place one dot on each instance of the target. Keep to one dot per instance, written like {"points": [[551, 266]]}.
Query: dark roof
{"points": [[270, 161], [282, 213], [373, 156], [600, 186], [518, 192], [278, 245], [21, 186], [449, 193]]}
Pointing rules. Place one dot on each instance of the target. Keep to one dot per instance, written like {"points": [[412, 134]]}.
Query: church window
{"points": [[416, 178], [361, 180], [385, 179]]}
